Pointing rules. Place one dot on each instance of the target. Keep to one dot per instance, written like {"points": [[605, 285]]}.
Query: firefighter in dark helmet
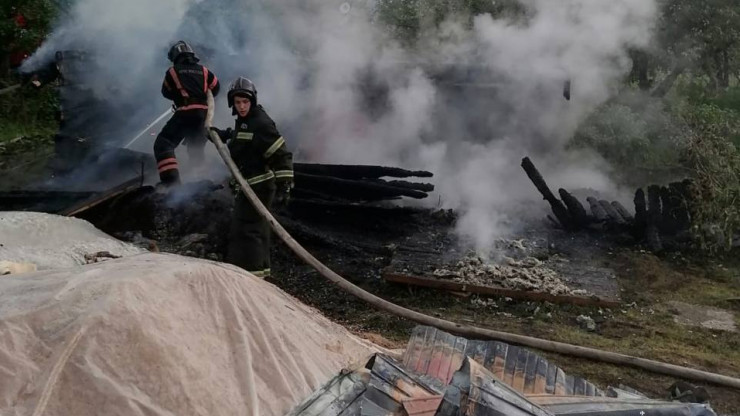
{"points": [[262, 157], [186, 83]]}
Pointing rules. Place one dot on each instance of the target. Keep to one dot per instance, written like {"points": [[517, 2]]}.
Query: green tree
{"points": [[409, 19], [706, 32], [24, 33]]}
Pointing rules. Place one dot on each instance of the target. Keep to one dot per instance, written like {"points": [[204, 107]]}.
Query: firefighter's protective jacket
{"points": [[258, 149], [187, 84]]}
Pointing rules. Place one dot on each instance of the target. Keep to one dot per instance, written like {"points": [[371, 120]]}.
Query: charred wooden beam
{"points": [[640, 213], [670, 204], [652, 232], [684, 188], [597, 210], [451, 286], [538, 180], [357, 171], [654, 207], [623, 212], [575, 208], [99, 198], [561, 213], [357, 190], [423, 187], [612, 213], [682, 215]]}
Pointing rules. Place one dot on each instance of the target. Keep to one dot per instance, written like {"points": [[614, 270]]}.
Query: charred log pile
{"points": [[193, 219], [661, 216], [353, 183], [314, 182]]}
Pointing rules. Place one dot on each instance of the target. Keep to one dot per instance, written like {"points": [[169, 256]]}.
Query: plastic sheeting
{"points": [[53, 242], [156, 334]]}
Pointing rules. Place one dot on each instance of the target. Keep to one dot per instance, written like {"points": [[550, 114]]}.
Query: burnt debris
{"points": [[175, 221], [661, 216], [357, 183], [122, 171], [558, 208]]}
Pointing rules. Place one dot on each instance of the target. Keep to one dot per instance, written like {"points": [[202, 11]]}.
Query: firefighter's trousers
{"points": [[249, 238], [187, 123]]}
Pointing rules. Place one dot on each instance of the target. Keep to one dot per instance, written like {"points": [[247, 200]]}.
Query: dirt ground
{"points": [[643, 326], [360, 242]]}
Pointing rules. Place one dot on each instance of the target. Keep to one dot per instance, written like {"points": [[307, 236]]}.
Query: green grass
{"points": [[27, 112], [12, 131], [27, 121]]}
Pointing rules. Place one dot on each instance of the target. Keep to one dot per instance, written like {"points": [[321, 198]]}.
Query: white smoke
{"points": [[312, 60]]}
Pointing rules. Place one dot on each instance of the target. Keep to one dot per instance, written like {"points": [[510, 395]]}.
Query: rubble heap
{"points": [[661, 219]]}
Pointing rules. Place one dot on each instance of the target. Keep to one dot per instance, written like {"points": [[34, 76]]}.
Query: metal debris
{"points": [[445, 375]]}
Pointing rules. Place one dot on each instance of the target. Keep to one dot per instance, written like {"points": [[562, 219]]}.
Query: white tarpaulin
{"points": [[156, 334], [53, 242]]}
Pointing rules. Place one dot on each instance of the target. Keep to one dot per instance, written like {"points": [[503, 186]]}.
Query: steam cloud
{"points": [[313, 60]]}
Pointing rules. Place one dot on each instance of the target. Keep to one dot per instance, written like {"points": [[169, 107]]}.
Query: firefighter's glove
{"points": [[34, 80], [223, 134], [219, 132], [282, 195]]}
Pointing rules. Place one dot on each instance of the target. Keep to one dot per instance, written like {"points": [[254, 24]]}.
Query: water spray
{"points": [[152, 124]]}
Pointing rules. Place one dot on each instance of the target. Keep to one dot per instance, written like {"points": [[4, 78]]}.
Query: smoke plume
{"points": [[465, 101]]}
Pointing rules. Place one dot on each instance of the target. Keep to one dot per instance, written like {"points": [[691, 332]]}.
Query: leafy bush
{"points": [[632, 131], [715, 161]]}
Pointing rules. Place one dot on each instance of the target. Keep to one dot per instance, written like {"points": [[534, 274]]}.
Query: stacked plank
{"points": [[357, 183]]}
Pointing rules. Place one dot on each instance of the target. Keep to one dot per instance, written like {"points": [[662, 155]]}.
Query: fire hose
{"points": [[9, 89], [449, 326]]}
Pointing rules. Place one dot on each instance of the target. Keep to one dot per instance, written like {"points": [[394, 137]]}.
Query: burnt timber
{"points": [[457, 287], [661, 217], [316, 182]]}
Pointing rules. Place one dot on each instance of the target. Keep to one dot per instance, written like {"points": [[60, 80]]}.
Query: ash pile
{"points": [[528, 274]]}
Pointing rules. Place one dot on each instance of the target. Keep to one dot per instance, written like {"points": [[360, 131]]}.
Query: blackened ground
{"points": [[191, 220], [359, 241], [643, 326]]}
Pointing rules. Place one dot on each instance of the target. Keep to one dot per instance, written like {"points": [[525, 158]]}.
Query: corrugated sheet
{"points": [[583, 406], [425, 406], [336, 396], [438, 355], [444, 375], [475, 392], [381, 388], [395, 381]]}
